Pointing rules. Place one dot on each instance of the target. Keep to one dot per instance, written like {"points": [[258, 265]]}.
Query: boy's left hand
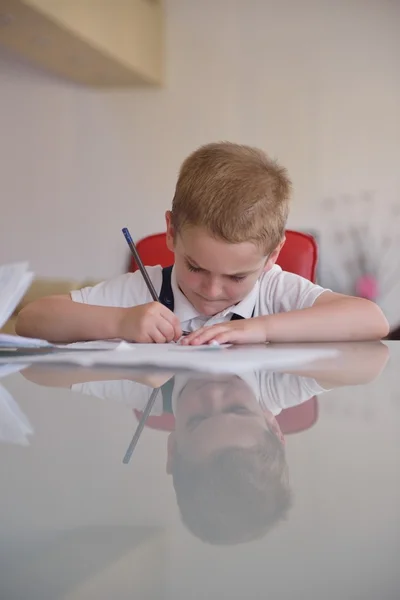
{"points": [[244, 331]]}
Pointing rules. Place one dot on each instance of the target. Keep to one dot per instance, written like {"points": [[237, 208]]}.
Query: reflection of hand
{"points": [[243, 331], [357, 363], [153, 380], [66, 376]]}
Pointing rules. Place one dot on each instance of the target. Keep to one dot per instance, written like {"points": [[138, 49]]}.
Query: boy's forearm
{"points": [[60, 320], [346, 319]]}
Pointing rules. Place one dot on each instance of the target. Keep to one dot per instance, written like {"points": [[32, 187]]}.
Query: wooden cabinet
{"points": [[106, 43]]}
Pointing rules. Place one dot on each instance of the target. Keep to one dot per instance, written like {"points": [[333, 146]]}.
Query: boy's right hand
{"points": [[148, 323]]}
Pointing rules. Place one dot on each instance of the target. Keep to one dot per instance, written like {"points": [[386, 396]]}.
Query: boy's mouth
{"points": [[212, 300]]}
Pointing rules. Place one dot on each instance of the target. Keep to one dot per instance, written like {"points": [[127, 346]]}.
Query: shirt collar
{"points": [[245, 307], [185, 311]]}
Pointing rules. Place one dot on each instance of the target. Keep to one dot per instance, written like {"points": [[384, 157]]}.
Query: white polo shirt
{"points": [[276, 291]]}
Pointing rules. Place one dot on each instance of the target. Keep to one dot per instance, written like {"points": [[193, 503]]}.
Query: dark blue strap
{"points": [[166, 391], [166, 294], [236, 317]]}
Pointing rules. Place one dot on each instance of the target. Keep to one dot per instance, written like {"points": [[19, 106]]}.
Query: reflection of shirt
{"points": [[274, 391], [277, 391], [276, 291]]}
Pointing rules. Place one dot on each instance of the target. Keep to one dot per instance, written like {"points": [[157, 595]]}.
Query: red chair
{"points": [[299, 418], [299, 254]]}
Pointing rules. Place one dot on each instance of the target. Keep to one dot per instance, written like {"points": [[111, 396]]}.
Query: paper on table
{"points": [[93, 345], [172, 347], [8, 369], [17, 341], [122, 345], [15, 279], [216, 360]]}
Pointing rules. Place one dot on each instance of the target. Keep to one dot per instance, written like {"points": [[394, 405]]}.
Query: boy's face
{"points": [[214, 274], [213, 414]]}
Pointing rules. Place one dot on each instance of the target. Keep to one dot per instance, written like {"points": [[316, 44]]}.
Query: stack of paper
{"points": [[209, 359], [17, 341], [15, 279]]}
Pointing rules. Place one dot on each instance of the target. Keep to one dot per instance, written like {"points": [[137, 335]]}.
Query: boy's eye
{"points": [[192, 268], [238, 410], [194, 421]]}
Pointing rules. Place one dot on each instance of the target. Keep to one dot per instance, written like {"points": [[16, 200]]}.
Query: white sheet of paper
{"points": [[196, 358], [122, 345], [172, 347], [93, 345], [17, 341], [15, 279], [9, 369]]}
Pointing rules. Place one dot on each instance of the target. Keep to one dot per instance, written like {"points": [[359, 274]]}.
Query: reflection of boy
{"points": [[227, 461], [274, 391], [226, 455]]}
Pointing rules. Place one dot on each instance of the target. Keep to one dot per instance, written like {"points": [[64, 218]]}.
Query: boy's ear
{"points": [[171, 449], [170, 231], [272, 258]]}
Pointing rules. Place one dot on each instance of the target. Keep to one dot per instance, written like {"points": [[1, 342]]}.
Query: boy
{"points": [[226, 228]]}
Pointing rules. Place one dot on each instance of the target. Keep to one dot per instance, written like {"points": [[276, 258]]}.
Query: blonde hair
{"points": [[237, 193], [237, 495]]}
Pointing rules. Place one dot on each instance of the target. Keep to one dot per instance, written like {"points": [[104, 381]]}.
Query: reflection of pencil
{"points": [[140, 427]]}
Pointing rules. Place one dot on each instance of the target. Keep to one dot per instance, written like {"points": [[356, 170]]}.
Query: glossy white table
{"points": [[78, 524]]}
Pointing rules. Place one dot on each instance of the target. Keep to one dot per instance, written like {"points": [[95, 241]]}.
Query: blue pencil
{"points": [[142, 268], [139, 263]]}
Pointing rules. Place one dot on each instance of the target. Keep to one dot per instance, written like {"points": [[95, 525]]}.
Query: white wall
{"points": [[316, 83]]}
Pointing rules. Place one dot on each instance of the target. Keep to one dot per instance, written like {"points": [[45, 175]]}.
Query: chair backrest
{"points": [[299, 254], [153, 251]]}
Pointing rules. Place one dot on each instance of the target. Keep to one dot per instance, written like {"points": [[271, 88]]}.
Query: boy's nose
{"points": [[212, 289], [215, 401]]}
